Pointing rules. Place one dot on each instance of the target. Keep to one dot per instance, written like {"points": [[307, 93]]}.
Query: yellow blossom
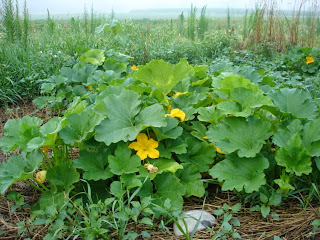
{"points": [[134, 67], [169, 105], [89, 87], [145, 147], [41, 176], [151, 168], [218, 149], [177, 113], [45, 150], [205, 137], [309, 60], [179, 93]]}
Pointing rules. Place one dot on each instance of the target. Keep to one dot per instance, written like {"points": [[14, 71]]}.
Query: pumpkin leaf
{"points": [[294, 157], [245, 135], [241, 173], [163, 75], [294, 101], [126, 119]]}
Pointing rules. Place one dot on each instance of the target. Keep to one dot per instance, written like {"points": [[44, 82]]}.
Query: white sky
{"points": [[77, 6]]}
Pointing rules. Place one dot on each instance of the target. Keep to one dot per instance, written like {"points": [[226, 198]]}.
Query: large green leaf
{"points": [[294, 101], [77, 73], [168, 187], [122, 162], [228, 83], [249, 99], [190, 177], [245, 135], [18, 132], [188, 103], [294, 156], [63, 176], [213, 114], [199, 130], [199, 153], [311, 137], [80, 125], [309, 133], [93, 56], [171, 130], [244, 95], [94, 165], [125, 120], [18, 167], [163, 75], [281, 137], [113, 64], [48, 134], [241, 173]]}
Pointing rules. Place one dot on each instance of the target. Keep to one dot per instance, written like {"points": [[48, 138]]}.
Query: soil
{"points": [[290, 221]]}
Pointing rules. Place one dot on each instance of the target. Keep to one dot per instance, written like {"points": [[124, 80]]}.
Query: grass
{"points": [[36, 49]]}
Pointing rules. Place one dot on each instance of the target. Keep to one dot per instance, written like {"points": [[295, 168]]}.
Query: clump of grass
{"points": [[181, 24], [17, 23], [192, 23], [8, 19], [269, 25], [203, 23], [25, 25], [245, 25], [50, 24]]}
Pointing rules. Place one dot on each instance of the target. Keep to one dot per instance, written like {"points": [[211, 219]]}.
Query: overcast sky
{"points": [[77, 6]]}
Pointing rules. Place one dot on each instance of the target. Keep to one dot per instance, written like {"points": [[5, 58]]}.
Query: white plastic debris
{"points": [[191, 218]]}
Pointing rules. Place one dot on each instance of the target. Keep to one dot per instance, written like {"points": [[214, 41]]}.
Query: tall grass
{"points": [[26, 25], [203, 23], [191, 30], [17, 23], [228, 19], [8, 19], [270, 25], [50, 24], [181, 20], [86, 21], [245, 25]]}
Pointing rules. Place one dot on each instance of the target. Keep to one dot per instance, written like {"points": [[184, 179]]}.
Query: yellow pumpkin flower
{"points": [[145, 147], [151, 168], [177, 113], [179, 93], [205, 137], [89, 87], [309, 60], [41, 176], [134, 67], [218, 149]]}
